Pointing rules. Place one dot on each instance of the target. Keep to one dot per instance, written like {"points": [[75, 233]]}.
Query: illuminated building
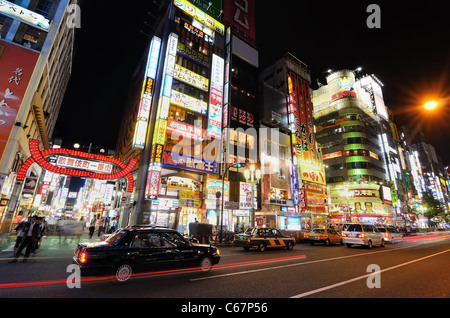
{"points": [[294, 184], [36, 53], [184, 96], [360, 149]]}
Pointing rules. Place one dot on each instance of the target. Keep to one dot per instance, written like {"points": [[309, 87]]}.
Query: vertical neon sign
{"points": [[154, 173], [140, 134]]}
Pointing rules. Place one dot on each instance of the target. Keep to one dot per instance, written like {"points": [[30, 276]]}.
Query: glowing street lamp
{"points": [[252, 175], [431, 105]]}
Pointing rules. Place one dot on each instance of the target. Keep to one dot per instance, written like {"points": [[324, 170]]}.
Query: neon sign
{"points": [[200, 15], [38, 157], [28, 16]]}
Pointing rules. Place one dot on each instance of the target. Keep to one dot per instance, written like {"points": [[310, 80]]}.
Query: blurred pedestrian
{"points": [[20, 233], [92, 226], [31, 233], [100, 225], [42, 233]]}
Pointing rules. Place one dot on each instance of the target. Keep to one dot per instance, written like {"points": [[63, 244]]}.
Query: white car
{"points": [[362, 234]]}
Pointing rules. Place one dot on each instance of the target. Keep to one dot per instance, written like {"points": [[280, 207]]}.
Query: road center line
{"points": [[365, 276], [296, 264]]}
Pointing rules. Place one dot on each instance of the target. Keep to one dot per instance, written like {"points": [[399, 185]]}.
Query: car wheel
{"points": [[349, 245], [369, 245], [327, 242], [312, 243], [261, 247], [382, 244], [290, 246], [123, 272], [206, 264]]}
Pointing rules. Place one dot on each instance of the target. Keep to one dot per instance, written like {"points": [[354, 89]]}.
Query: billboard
{"points": [[16, 68], [240, 15]]}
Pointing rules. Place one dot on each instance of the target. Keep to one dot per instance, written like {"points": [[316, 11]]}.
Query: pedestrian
{"points": [[31, 233], [42, 233], [20, 233], [100, 224], [92, 226]]}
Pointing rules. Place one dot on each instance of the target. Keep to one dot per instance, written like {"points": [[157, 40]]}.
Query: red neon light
{"points": [[39, 157]]}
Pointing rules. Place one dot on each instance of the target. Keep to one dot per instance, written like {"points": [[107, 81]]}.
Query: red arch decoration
{"points": [[38, 157]]}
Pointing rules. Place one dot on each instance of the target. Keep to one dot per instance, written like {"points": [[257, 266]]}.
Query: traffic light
{"points": [[240, 164]]}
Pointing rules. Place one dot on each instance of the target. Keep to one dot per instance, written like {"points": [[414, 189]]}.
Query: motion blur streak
{"points": [[106, 278]]}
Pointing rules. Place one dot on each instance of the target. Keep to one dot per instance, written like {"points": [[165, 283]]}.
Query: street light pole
{"points": [[236, 165], [252, 175]]}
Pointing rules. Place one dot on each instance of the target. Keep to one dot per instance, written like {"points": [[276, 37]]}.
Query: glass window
{"points": [[172, 239]]}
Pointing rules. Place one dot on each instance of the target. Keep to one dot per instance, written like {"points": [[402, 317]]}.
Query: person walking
{"points": [[42, 232], [100, 224], [20, 234], [92, 226], [31, 233]]}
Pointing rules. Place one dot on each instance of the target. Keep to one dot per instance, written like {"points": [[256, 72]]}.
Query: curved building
{"points": [[351, 120]]}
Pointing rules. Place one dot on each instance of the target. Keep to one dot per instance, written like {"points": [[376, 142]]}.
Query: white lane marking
{"points": [[365, 276], [292, 265]]}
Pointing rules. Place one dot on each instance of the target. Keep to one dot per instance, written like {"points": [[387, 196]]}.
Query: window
{"points": [[44, 7], [147, 240], [172, 239]]}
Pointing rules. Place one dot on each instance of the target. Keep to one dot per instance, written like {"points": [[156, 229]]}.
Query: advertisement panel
{"points": [[200, 15], [176, 160], [216, 97], [16, 68], [30, 17], [241, 16], [191, 78], [312, 172]]}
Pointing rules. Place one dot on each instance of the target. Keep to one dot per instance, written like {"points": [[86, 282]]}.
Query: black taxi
{"points": [[135, 249], [263, 238]]}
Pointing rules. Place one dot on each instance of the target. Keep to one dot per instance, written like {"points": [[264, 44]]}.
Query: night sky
{"points": [[410, 54]]}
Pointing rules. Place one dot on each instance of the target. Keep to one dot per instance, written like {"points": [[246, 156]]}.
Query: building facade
{"points": [[295, 182], [36, 53], [360, 151]]}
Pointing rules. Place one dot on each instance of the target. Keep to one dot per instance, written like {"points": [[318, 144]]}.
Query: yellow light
{"points": [[431, 105]]}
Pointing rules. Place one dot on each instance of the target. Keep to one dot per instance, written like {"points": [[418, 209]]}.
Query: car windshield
{"points": [[382, 229], [116, 237], [353, 227], [319, 231], [249, 231]]}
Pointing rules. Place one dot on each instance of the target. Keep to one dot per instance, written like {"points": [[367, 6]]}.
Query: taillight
{"points": [[249, 240], [82, 256], [362, 235], [344, 235]]}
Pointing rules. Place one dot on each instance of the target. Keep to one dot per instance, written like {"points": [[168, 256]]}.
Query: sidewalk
{"points": [[51, 242]]}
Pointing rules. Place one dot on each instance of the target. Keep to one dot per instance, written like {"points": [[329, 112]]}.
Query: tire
{"points": [[369, 245], [290, 246], [262, 247], [206, 264], [327, 242], [349, 245], [123, 273], [382, 244]]}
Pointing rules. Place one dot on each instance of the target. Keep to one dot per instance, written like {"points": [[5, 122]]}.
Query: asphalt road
{"points": [[416, 269]]}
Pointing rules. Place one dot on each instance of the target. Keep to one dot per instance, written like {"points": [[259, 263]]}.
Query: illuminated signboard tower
{"points": [[288, 106], [177, 128]]}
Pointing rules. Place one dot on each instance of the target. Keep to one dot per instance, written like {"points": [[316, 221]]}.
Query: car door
{"points": [[146, 251], [177, 251], [280, 240], [334, 236]]}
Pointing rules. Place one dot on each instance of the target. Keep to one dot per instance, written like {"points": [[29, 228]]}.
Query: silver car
{"points": [[362, 234]]}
